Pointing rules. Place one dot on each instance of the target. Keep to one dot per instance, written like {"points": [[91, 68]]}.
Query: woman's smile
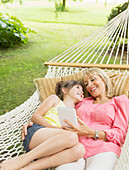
{"points": [[93, 89], [95, 86]]}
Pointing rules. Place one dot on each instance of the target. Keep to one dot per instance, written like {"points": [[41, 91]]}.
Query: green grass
{"points": [[79, 13], [20, 65]]}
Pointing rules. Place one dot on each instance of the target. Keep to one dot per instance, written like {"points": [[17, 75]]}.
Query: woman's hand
{"points": [[81, 130], [24, 129]]}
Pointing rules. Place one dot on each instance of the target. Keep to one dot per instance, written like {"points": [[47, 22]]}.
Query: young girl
{"points": [[46, 143]]}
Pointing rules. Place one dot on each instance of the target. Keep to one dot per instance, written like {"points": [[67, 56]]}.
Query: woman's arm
{"points": [[47, 104], [119, 128], [84, 130], [118, 131]]}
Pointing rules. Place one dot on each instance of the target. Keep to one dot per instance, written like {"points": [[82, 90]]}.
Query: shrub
{"points": [[12, 31], [5, 1], [117, 10], [11, 1], [114, 12]]}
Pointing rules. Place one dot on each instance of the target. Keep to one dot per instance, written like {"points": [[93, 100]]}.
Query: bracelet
{"points": [[96, 136]]}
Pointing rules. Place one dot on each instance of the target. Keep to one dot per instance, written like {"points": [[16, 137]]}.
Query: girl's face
{"points": [[76, 93], [95, 85]]}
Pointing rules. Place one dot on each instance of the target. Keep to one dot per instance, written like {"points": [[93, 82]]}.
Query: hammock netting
{"points": [[108, 45]]}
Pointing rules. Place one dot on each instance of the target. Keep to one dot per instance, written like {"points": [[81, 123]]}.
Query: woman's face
{"points": [[95, 85], [76, 92]]}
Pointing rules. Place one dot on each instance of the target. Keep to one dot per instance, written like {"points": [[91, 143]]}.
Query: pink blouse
{"points": [[111, 117]]}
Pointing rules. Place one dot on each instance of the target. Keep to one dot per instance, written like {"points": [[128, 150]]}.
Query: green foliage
{"points": [[114, 12], [59, 7], [6, 1], [12, 31], [11, 1], [117, 10]]}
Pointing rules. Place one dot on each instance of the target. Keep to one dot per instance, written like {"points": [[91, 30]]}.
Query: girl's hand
{"points": [[81, 130], [24, 129]]}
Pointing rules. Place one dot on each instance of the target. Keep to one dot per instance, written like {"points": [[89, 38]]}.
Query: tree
{"points": [[60, 5]]}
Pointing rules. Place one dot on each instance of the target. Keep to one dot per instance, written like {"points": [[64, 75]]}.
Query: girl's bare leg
{"points": [[45, 142], [65, 156]]}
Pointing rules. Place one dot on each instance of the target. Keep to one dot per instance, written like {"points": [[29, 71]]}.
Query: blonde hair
{"points": [[103, 75]]}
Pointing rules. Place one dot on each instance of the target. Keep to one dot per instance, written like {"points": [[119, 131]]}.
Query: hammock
{"points": [[107, 48], [108, 45]]}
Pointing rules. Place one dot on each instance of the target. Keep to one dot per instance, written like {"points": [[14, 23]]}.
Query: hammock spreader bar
{"points": [[88, 65]]}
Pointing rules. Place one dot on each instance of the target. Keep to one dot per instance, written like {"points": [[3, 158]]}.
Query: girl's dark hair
{"points": [[65, 84]]}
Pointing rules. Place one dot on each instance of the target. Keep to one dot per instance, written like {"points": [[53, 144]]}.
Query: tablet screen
{"points": [[68, 114]]}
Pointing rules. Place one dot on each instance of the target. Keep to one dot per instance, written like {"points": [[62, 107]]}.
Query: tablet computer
{"points": [[67, 113]]}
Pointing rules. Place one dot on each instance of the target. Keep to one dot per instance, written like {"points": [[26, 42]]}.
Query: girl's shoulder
{"points": [[53, 96], [53, 99]]}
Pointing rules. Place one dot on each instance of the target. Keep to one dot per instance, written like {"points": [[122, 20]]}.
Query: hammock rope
{"points": [[106, 46]]}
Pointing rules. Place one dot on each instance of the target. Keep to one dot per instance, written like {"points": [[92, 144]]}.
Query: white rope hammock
{"points": [[107, 46]]}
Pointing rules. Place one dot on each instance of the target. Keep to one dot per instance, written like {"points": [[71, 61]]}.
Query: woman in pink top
{"points": [[103, 121]]}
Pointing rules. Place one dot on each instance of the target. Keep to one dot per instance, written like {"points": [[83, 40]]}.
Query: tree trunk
{"points": [[64, 2]]}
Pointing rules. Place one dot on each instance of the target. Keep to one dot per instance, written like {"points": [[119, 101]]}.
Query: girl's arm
{"points": [[47, 104]]}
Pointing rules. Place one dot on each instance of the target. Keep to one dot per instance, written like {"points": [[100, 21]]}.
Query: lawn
{"points": [[21, 65]]}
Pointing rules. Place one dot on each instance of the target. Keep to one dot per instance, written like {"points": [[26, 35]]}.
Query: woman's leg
{"points": [[45, 142], [102, 161], [65, 156]]}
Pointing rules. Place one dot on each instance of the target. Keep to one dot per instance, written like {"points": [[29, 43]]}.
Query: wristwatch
{"points": [[96, 136]]}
